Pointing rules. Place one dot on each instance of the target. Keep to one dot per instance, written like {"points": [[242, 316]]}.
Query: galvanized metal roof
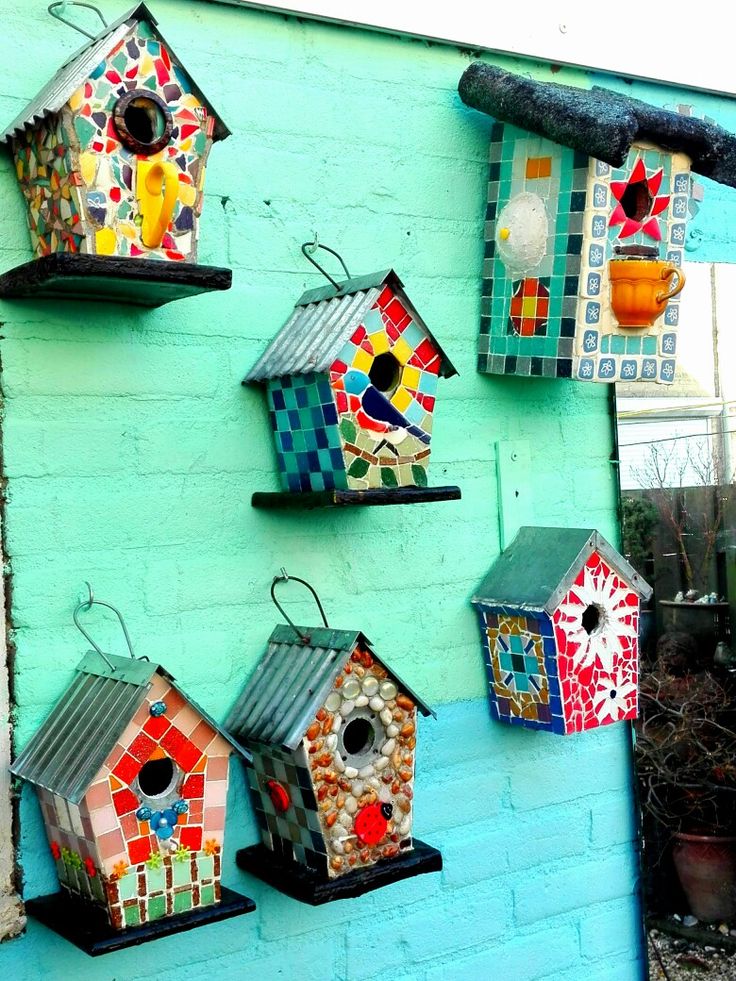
{"points": [[80, 732], [58, 90], [323, 321], [292, 681], [540, 565]]}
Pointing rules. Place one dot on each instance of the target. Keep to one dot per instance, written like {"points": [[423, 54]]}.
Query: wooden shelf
{"points": [[288, 500]]}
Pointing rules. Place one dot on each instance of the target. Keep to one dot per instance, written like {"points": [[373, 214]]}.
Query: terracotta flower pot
{"points": [[641, 288], [706, 867]]}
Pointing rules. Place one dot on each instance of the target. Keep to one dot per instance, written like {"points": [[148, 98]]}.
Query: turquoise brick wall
{"points": [[130, 452]]}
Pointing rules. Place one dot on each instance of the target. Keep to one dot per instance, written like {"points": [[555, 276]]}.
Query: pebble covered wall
{"points": [[130, 451]]}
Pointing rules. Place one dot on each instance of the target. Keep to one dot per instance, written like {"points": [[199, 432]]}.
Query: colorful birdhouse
{"points": [[586, 223], [132, 778], [559, 619], [333, 736], [351, 381], [110, 157]]}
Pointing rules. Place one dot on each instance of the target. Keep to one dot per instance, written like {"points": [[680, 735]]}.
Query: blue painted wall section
{"points": [[131, 450]]}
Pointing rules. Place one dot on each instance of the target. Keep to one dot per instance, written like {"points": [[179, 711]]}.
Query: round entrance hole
{"points": [[385, 372], [143, 121], [157, 777], [358, 737], [636, 201], [591, 618]]}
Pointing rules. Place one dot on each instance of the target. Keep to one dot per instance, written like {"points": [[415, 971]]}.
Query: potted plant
{"points": [[686, 761]]}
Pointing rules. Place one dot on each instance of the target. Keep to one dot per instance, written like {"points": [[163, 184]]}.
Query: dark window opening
{"points": [[636, 201], [358, 737], [591, 619], [143, 121], [156, 777], [385, 372]]}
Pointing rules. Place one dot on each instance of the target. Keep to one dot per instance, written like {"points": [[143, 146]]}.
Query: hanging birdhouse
{"points": [[131, 775], [351, 381], [586, 223], [333, 735], [110, 157], [559, 619]]}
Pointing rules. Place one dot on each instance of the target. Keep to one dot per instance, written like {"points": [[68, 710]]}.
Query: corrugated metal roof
{"points": [[57, 91], [81, 730], [323, 321], [540, 565], [292, 681]]}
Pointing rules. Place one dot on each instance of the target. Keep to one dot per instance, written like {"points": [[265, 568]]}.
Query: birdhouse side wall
{"points": [[521, 666], [165, 859], [386, 416], [73, 847], [604, 350], [596, 632], [307, 439], [361, 748], [285, 805], [533, 237], [108, 170], [45, 165]]}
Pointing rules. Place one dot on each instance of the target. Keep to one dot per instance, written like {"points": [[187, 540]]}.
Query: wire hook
{"points": [[59, 15], [87, 605], [285, 577], [309, 248]]}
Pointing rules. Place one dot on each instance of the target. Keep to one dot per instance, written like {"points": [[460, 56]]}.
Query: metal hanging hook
{"points": [[59, 14], [87, 605], [308, 248], [285, 577]]}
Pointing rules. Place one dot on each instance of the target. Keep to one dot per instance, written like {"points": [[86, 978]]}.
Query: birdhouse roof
{"points": [[540, 565], [66, 752], [292, 681], [323, 320], [58, 90], [598, 122]]}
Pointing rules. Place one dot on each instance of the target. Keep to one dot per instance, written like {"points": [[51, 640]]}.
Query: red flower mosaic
{"points": [[637, 204]]}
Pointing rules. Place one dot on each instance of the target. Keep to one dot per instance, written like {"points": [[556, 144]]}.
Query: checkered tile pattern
{"points": [[308, 445], [529, 308], [294, 834]]}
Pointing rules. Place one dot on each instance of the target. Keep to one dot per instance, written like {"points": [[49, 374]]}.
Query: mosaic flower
{"points": [[613, 696], [598, 227], [55, 851], [182, 853], [668, 371], [628, 371], [602, 591], [90, 867], [119, 869], [586, 371], [154, 860], [164, 822], [637, 203], [211, 846]]}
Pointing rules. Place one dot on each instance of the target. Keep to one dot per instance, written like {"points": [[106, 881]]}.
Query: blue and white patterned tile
{"points": [[594, 284], [667, 370], [592, 313], [607, 368], [590, 341], [586, 368], [669, 343], [649, 369], [628, 369]]}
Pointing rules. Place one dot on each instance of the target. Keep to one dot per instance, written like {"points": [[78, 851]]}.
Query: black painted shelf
{"points": [[307, 500], [140, 282], [86, 925], [315, 888]]}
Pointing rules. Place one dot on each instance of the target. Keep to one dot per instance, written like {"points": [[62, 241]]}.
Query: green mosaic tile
{"points": [[156, 879], [205, 866], [182, 873], [633, 345], [128, 886], [649, 345], [206, 895], [156, 907], [132, 915], [605, 343], [182, 901], [618, 344], [97, 891]]}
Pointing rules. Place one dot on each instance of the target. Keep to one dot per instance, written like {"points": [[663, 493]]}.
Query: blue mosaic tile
{"points": [[649, 368], [682, 183], [594, 284], [669, 343], [600, 195], [601, 168], [628, 369], [679, 207], [595, 256], [667, 370], [592, 313], [677, 234], [590, 340], [672, 314], [674, 257], [586, 368], [606, 368]]}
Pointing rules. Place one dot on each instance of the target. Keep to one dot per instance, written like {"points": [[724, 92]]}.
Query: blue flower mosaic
{"points": [[587, 367], [667, 370], [606, 368], [601, 169], [672, 314], [679, 207], [163, 823], [594, 284], [674, 257], [590, 340], [600, 196], [598, 227], [649, 368], [669, 343], [677, 234], [592, 313], [682, 183], [595, 255], [628, 369]]}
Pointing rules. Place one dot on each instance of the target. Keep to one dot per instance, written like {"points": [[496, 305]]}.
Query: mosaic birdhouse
{"points": [[559, 618], [351, 382], [586, 223], [333, 735], [111, 155], [132, 779]]}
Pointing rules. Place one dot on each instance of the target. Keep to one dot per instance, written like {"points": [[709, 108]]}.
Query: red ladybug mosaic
{"points": [[371, 822], [279, 796]]}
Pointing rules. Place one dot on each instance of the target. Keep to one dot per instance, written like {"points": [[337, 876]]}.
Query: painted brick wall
{"points": [[131, 452]]}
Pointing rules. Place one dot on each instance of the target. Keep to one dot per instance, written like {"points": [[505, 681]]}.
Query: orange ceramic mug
{"points": [[637, 294]]}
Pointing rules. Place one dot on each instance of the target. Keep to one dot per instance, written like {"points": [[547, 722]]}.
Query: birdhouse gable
{"points": [[558, 615], [111, 154]]}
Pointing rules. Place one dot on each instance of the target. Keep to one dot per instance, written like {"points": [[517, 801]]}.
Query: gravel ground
{"points": [[685, 960]]}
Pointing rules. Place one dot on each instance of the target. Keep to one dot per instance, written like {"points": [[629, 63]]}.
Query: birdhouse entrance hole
{"points": [[358, 737], [157, 777], [385, 372], [591, 618], [143, 121], [637, 201]]}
